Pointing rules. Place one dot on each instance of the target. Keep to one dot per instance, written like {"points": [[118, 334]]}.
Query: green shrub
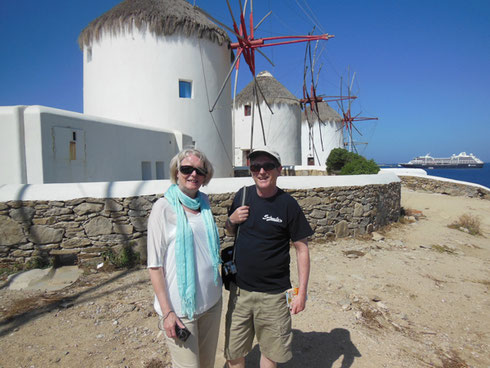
{"points": [[32, 263], [124, 258], [340, 161], [337, 158], [38, 262], [8, 269], [360, 166]]}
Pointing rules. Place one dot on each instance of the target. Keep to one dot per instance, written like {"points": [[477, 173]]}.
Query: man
{"points": [[257, 304]]}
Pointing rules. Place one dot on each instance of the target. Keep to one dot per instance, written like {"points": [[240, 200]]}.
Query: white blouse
{"points": [[162, 226]]}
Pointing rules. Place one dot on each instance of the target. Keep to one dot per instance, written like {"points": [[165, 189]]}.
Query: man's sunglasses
{"points": [[187, 170], [266, 166]]}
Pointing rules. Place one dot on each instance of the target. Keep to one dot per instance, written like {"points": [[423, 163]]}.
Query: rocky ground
{"points": [[413, 295]]}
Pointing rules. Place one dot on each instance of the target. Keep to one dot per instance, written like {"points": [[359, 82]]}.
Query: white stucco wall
{"points": [[135, 78], [282, 132], [405, 171], [216, 186], [9, 192], [104, 150], [331, 135], [12, 150]]}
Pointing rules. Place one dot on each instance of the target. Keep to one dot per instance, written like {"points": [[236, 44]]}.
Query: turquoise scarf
{"points": [[184, 245]]}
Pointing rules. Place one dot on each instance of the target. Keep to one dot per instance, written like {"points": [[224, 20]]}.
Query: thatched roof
{"points": [[274, 92], [161, 17], [325, 112]]}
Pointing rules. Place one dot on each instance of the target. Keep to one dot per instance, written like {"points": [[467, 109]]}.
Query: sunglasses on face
{"points": [[187, 170], [267, 166]]}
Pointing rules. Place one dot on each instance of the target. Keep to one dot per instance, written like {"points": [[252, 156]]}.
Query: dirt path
{"points": [[419, 297]]}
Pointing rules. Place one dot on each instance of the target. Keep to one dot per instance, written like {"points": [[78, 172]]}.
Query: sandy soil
{"points": [[414, 295]]}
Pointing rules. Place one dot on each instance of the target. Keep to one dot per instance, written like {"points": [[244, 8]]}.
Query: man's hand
{"points": [[303, 260], [298, 304], [239, 215]]}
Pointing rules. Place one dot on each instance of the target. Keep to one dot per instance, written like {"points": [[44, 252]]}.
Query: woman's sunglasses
{"points": [[266, 166], [187, 170]]}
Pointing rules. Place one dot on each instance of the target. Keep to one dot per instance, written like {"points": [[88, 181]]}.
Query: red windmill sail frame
{"points": [[348, 120], [312, 98], [246, 42], [348, 123], [247, 45]]}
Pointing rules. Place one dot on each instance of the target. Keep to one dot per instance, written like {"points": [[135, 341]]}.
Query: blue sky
{"points": [[422, 67]]}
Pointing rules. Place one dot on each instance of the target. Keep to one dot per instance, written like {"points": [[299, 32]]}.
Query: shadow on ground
{"points": [[7, 325], [316, 350]]}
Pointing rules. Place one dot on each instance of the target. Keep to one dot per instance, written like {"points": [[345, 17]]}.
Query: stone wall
{"points": [[444, 187], [84, 228]]}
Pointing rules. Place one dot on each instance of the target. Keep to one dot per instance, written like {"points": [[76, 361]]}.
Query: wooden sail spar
{"points": [[247, 45]]}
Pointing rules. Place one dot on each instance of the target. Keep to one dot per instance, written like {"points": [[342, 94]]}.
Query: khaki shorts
{"points": [[199, 350], [264, 315]]}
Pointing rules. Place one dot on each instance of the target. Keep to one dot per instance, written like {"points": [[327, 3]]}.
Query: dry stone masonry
{"points": [[444, 187], [86, 227]]}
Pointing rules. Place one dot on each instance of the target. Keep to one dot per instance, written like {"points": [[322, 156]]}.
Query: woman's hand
{"points": [[169, 324]]}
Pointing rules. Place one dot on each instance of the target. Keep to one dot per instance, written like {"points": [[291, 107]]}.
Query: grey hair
{"points": [[177, 159]]}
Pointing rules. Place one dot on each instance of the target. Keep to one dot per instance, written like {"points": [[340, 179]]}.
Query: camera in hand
{"points": [[229, 268], [182, 333]]}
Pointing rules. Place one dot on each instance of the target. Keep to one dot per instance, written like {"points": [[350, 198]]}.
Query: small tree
{"points": [[125, 257], [360, 166], [337, 159], [340, 161]]}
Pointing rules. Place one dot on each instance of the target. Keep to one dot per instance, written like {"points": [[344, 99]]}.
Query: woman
{"points": [[183, 260]]}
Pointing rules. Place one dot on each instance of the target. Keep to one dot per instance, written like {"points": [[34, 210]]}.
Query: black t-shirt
{"points": [[262, 247]]}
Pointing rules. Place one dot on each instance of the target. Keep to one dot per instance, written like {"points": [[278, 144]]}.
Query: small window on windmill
{"points": [[247, 110], [311, 161], [73, 146], [185, 89]]}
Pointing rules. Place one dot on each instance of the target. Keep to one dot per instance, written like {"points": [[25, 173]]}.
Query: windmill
{"points": [[247, 45], [324, 124], [348, 119], [281, 128]]}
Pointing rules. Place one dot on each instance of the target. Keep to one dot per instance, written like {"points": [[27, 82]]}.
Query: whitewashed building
{"points": [[152, 69], [281, 129], [160, 64], [40, 145], [321, 132]]}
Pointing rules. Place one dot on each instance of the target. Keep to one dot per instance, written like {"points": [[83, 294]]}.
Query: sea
{"points": [[477, 176]]}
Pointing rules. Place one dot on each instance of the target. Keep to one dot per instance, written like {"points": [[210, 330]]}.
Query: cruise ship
{"points": [[463, 160]]}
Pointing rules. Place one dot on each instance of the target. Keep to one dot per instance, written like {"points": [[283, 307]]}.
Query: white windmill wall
{"points": [[331, 134], [282, 132], [134, 77]]}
